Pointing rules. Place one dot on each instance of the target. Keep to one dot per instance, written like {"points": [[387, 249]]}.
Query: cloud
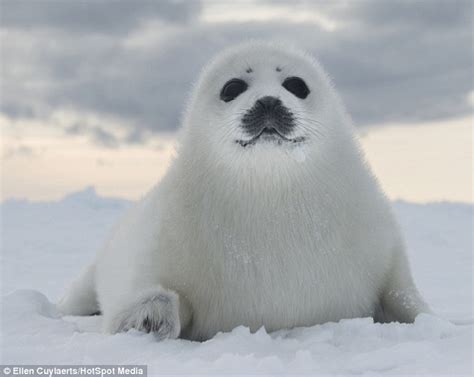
{"points": [[433, 14], [108, 17], [98, 134], [392, 61], [19, 151]]}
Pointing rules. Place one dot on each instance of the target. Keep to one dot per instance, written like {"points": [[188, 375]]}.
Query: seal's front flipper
{"points": [[155, 310], [401, 305], [400, 300]]}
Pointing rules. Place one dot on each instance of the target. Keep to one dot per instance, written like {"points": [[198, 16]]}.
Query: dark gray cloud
{"points": [[109, 17], [430, 14], [392, 61]]}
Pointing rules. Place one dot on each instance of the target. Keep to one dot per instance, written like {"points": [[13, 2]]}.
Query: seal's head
{"points": [[261, 104]]}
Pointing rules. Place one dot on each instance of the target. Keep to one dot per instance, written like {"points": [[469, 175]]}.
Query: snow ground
{"points": [[45, 244]]}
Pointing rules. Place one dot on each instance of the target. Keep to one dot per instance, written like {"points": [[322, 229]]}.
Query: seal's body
{"points": [[268, 216]]}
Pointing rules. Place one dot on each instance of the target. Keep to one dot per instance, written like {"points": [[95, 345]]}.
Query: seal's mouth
{"points": [[270, 135]]}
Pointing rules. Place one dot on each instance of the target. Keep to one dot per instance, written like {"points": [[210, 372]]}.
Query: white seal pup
{"points": [[268, 216]]}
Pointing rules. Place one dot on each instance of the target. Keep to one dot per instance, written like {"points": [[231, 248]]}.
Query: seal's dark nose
{"points": [[269, 115], [269, 103]]}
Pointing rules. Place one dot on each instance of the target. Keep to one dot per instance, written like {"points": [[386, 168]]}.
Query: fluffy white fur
{"points": [[268, 235]]}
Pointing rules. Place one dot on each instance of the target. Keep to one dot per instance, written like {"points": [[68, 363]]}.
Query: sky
{"points": [[92, 92]]}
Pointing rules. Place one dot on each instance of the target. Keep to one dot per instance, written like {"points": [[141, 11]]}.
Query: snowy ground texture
{"points": [[44, 245]]}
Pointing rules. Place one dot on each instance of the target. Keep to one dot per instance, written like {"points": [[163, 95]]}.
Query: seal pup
{"points": [[268, 216]]}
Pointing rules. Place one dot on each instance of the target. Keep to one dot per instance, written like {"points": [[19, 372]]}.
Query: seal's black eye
{"points": [[232, 89], [296, 86]]}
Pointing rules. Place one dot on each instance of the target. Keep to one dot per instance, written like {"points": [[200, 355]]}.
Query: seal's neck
{"points": [[256, 188]]}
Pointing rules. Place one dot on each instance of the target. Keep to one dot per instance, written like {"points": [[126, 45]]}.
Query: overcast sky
{"points": [[92, 91], [118, 70]]}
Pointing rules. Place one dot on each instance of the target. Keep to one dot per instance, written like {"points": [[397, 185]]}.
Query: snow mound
{"points": [[44, 245], [28, 303]]}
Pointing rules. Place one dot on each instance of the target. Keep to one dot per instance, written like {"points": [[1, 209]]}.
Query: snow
{"points": [[45, 244]]}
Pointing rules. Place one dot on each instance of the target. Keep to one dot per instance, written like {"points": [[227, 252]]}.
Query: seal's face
{"points": [[266, 102], [268, 120], [259, 103]]}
